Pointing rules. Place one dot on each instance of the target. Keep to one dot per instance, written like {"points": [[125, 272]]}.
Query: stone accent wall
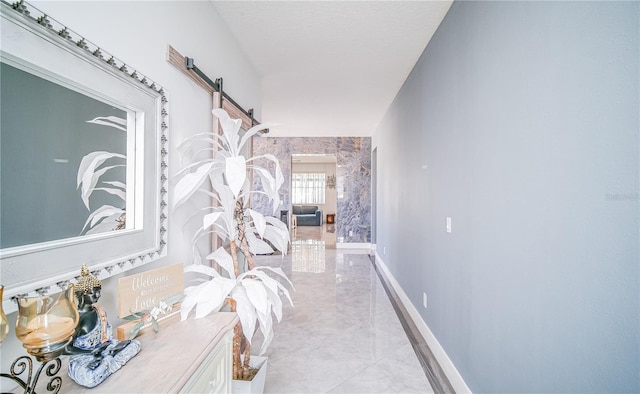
{"points": [[353, 155]]}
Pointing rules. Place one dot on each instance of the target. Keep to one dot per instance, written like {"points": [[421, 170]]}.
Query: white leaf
{"points": [[250, 133], [271, 183], [197, 258], [286, 294], [210, 219], [194, 166], [119, 184], [224, 259], [93, 160], [267, 332], [259, 221], [206, 136], [227, 206], [267, 281], [276, 270], [275, 222], [266, 327], [246, 312], [281, 273], [189, 183], [111, 121], [278, 238], [257, 294], [230, 129], [187, 305], [277, 233], [221, 114], [267, 181], [236, 173], [276, 304], [90, 180], [104, 211], [88, 174], [258, 246], [110, 223], [227, 200], [278, 171], [213, 295], [186, 146], [190, 300]]}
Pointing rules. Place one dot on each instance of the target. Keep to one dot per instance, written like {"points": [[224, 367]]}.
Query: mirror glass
{"points": [[83, 156], [63, 161]]}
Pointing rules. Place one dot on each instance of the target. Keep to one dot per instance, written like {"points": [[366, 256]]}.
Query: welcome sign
{"points": [[143, 291]]}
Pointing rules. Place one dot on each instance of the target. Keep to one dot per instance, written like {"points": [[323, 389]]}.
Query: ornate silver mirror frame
{"points": [[37, 42]]}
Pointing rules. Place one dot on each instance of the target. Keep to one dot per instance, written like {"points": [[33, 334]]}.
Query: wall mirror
{"points": [[83, 158]]}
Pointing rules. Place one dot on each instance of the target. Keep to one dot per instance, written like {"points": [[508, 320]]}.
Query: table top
{"points": [[167, 359]]}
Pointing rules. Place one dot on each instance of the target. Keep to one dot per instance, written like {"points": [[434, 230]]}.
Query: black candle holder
{"points": [[25, 364]]}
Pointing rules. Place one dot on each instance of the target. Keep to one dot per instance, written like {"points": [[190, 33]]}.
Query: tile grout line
{"points": [[436, 376]]}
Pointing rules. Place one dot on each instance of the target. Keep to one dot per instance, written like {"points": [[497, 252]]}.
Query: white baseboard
{"points": [[447, 366], [353, 245]]}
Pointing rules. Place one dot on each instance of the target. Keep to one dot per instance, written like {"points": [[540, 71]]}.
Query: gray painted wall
{"points": [[353, 172], [520, 122]]}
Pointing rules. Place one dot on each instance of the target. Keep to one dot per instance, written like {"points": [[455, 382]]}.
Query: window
{"points": [[307, 188]]}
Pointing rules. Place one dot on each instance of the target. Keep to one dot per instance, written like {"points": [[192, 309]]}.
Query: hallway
{"points": [[342, 335]]}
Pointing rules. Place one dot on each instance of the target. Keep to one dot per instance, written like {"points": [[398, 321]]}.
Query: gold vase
{"points": [[46, 323], [4, 323]]}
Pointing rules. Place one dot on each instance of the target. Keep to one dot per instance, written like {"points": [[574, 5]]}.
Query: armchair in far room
{"points": [[307, 215]]}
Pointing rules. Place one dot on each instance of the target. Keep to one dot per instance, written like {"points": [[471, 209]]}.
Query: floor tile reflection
{"points": [[308, 256], [342, 335]]}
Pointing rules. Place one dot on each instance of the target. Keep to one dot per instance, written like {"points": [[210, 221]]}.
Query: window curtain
{"points": [[308, 188]]}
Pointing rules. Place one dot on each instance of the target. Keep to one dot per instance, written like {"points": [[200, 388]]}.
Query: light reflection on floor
{"points": [[342, 335], [308, 256]]}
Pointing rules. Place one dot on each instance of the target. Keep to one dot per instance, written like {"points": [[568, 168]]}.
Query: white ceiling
{"points": [[330, 68]]}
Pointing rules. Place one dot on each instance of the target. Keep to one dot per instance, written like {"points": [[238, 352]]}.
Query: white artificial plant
{"points": [[250, 290]]}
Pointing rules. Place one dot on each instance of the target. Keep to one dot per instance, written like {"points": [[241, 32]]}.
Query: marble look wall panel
{"points": [[353, 159]]}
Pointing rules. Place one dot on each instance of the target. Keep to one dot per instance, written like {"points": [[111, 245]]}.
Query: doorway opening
{"points": [[313, 184]]}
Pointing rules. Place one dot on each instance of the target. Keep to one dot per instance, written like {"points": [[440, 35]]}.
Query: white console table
{"points": [[191, 356]]}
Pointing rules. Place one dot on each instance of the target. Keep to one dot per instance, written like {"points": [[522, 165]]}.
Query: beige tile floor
{"points": [[342, 335]]}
